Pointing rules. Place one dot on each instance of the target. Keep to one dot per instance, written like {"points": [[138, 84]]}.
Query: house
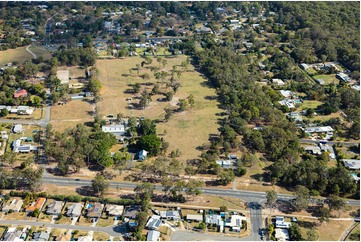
{"points": [[170, 215], [41, 236], [329, 149], [214, 219], [235, 222], [94, 210], [15, 206], [195, 217], [153, 222], [114, 210], [37, 205], [85, 238], [13, 235], [153, 235], [290, 103], [232, 157], [131, 212], [225, 163], [320, 81], [287, 93], [278, 82], [294, 116], [313, 149], [280, 222], [282, 234], [343, 77], [63, 76], [17, 147], [351, 164], [142, 155], [55, 208], [326, 130], [116, 129], [304, 66], [74, 210], [20, 93], [17, 128]]}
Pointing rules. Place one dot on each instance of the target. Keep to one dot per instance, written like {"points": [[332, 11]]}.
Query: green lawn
{"points": [[309, 104], [328, 79]]}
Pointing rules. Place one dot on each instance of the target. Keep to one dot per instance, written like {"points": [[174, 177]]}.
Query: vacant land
{"points": [[195, 125], [19, 55], [70, 114], [330, 231]]}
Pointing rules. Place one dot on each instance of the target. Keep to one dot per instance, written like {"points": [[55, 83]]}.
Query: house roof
{"points": [[196, 217], [282, 234], [119, 128], [55, 206], [352, 164], [37, 205], [153, 222], [14, 205], [235, 220], [95, 210], [20, 93], [318, 129], [115, 210], [153, 235], [74, 209], [131, 212]]}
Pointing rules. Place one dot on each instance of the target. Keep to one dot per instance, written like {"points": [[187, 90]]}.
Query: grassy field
{"points": [[310, 104], [330, 231], [65, 116], [328, 79], [40, 51], [19, 54], [195, 124]]}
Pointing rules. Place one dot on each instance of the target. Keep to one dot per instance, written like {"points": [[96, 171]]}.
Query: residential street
{"points": [[112, 231]]}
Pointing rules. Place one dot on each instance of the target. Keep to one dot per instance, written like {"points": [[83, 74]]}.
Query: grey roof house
{"points": [[74, 210], [54, 208]]}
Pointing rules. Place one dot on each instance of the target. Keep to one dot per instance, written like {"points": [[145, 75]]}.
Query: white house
{"points": [[153, 235], [280, 223], [282, 234], [117, 129], [153, 222], [17, 128], [351, 164]]}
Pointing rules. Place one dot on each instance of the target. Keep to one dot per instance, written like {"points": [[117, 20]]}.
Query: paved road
{"points": [[256, 221], [184, 235], [248, 196], [112, 231], [350, 143]]}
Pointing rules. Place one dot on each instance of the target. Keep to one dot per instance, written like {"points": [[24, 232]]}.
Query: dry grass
{"points": [[19, 54], [105, 222], [18, 216], [328, 79], [195, 124], [67, 116], [330, 231], [84, 221], [100, 236], [2, 230]]}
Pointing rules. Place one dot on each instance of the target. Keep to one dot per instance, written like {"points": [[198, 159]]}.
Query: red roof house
{"points": [[20, 93]]}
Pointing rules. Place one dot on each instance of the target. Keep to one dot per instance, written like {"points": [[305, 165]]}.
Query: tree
{"points": [[191, 100], [302, 195], [144, 192], [94, 86], [271, 199], [4, 112], [337, 203], [183, 104], [150, 143], [312, 235], [36, 213], [136, 88], [100, 184], [225, 177], [193, 188], [295, 232], [147, 127], [323, 214]]}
